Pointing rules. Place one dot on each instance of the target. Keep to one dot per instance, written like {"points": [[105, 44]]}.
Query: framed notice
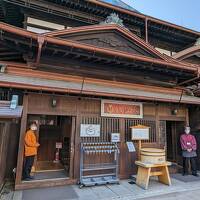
{"points": [[90, 130], [115, 137], [110, 108], [131, 147], [140, 132]]}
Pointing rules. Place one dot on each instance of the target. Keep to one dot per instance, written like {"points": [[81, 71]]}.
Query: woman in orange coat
{"points": [[31, 145]]}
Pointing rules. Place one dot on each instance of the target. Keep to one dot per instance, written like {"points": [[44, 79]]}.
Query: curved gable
{"points": [[110, 37]]}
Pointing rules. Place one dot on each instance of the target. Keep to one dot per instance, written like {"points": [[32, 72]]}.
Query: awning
{"points": [[7, 112], [98, 89]]}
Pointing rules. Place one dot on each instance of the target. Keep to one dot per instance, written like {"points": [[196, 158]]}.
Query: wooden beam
{"points": [[89, 70], [113, 63], [146, 30], [45, 183], [8, 53], [188, 81]]}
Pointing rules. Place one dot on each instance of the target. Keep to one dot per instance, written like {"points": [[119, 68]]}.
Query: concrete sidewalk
{"points": [[124, 191], [192, 195]]}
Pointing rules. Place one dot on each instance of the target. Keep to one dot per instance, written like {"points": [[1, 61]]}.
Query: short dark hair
{"points": [[32, 123], [187, 126]]}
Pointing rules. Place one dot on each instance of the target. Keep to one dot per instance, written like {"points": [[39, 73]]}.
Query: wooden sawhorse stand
{"points": [[144, 173]]}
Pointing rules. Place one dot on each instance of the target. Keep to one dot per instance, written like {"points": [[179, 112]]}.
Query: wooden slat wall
{"points": [[2, 125], [108, 125], [13, 142], [9, 138], [162, 126], [4, 136], [4, 95]]}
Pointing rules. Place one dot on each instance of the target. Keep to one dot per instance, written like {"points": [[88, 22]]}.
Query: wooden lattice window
{"points": [[162, 127], [4, 95]]}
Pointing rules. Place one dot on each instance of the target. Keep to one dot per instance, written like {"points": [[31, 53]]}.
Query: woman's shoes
{"points": [[197, 175], [30, 178]]}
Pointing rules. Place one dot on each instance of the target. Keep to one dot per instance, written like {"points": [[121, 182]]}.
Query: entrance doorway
{"points": [[174, 129], [55, 136]]}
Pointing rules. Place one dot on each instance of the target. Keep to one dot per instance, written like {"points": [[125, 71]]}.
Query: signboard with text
{"points": [[140, 132], [123, 109]]}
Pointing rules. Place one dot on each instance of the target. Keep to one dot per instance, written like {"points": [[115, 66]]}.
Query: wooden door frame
{"points": [[174, 138], [20, 158]]}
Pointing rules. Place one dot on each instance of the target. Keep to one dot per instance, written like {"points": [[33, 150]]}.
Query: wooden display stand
{"points": [[145, 172]]}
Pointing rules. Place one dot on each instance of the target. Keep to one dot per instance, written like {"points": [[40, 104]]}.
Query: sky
{"points": [[181, 12]]}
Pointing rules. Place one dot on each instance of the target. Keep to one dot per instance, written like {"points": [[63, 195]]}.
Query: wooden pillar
{"points": [[146, 30], [77, 145], [187, 117], [158, 134], [21, 141], [122, 145], [139, 149], [72, 147]]}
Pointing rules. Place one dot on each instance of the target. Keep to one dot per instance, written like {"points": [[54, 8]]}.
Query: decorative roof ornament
{"points": [[113, 18], [197, 42]]}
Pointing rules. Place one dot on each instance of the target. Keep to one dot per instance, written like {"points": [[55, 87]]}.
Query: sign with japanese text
{"points": [[123, 109], [140, 132]]}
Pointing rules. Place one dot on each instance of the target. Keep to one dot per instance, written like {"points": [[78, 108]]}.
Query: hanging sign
{"points": [[90, 130], [140, 132], [123, 109]]}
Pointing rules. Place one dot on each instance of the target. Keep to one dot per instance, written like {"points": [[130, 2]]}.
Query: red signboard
{"points": [[121, 109]]}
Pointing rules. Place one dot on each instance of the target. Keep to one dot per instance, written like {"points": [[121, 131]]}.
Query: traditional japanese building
{"points": [[67, 63]]}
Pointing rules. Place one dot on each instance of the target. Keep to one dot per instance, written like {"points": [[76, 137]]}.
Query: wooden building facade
{"points": [[63, 73]]}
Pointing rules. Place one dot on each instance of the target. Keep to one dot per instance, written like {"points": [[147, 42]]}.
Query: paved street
{"points": [[180, 189]]}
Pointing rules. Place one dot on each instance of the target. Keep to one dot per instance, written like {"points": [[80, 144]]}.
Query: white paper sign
{"points": [[115, 137], [90, 130], [58, 145], [14, 102], [140, 134], [131, 147]]}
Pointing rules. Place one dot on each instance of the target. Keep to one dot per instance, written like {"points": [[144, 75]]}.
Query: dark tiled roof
{"points": [[120, 3]]}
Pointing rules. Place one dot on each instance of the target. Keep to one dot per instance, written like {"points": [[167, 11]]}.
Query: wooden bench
{"points": [[145, 172]]}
